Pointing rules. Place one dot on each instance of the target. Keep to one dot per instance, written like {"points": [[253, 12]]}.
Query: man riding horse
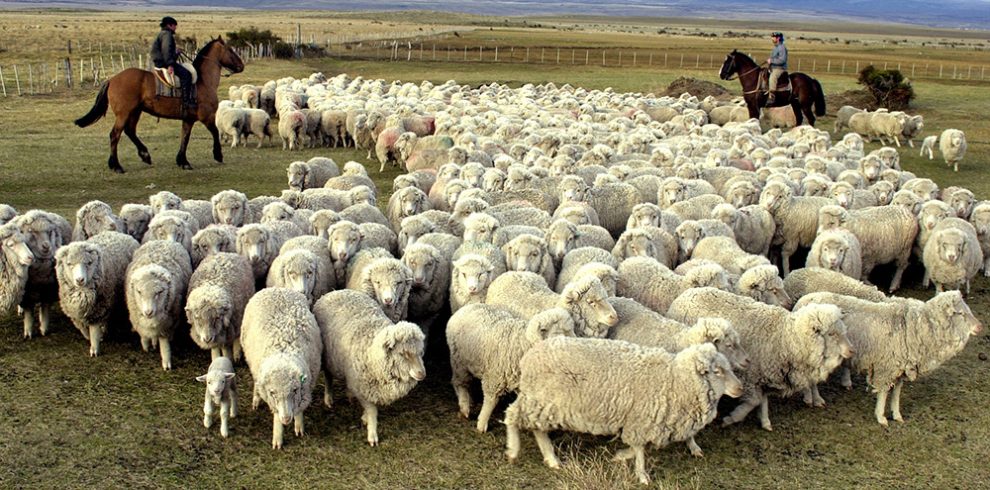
{"points": [[777, 62], [165, 54]]}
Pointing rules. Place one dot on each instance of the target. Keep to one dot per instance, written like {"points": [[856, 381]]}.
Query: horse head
{"points": [[729, 66], [229, 58]]}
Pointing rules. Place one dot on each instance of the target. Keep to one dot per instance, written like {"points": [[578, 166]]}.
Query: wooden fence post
{"points": [[587, 56], [682, 60], [3, 83], [30, 79], [543, 51], [17, 80], [496, 53], [558, 56], [603, 57]]}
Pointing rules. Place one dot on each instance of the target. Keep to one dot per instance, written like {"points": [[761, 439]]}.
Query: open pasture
{"points": [[118, 420]]}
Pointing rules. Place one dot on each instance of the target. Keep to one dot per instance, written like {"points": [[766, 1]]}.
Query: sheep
{"points": [[254, 207], [579, 213], [900, 340], [291, 128], [155, 287], [647, 242], [219, 289], [404, 203], [885, 233], [908, 200], [200, 210], [378, 360], [430, 281], [317, 199], [925, 189], [928, 144], [309, 273], [7, 213], [386, 279], [563, 236], [529, 253], [788, 352], [363, 213], [486, 342], [135, 218], [980, 219], [690, 232], [796, 219], [812, 279], [320, 221], [479, 227], [280, 211], [172, 225], [584, 297], [851, 198], [231, 122], [260, 244], [725, 252], [552, 396], [44, 233], [221, 393], [843, 115], [258, 124], [885, 124], [952, 255], [648, 214], [837, 250], [15, 261], [613, 203], [579, 257], [515, 214], [283, 348], [311, 174], [213, 239], [752, 226], [655, 286], [95, 217], [763, 283], [699, 207], [91, 282], [952, 144], [960, 200], [470, 279], [912, 128]]}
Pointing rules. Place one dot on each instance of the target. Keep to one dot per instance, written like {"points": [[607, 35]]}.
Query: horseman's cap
{"points": [[778, 35], [168, 21]]}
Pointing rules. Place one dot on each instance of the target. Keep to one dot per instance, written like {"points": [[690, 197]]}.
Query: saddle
{"points": [[783, 83], [169, 85]]}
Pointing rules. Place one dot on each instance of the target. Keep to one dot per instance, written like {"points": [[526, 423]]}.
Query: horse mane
{"points": [[201, 54], [743, 56]]}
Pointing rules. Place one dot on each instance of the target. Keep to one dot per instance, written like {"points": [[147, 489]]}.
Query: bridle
{"points": [[737, 75]]}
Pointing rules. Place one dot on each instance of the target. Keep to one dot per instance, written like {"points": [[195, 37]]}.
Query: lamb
{"points": [[952, 255], [928, 144], [386, 279], [486, 342], [95, 217], [15, 260], [796, 219], [763, 283], [291, 128], [812, 279], [529, 253], [562, 236], [258, 125], [378, 360], [838, 250], [44, 234], [952, 144], [725, 252], [885, 233], [469, 281], [752, 226], [901, 340], [91, 282], [655, 286], [788, 352], [221, 393], [211, 240], [155, 287], [303, 265], [570, 383], [283, 348], [430, 281], [584, 297], [260, 244], [312, 174], [135, 218], [219, 290]]}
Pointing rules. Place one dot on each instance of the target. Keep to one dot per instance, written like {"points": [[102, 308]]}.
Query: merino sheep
{"points": [[291, 128], [404, 203], [813, 279], [727, 253], [838, 250], [7, 214], [900, 340], [44, 233], [584, 297], [173, 225], [763, 283], [221, 393], [886, 234], [15, 260], [135, 218], [655, 286], [647, 242], [280, 211], [386, 279], [219, 290], [155, 287], [584, 385], [303, 265], [529, 253], [311, 174], [563, 236], [378, 360], [95, 217], [211, 240], [486, 342], [260, 244], [952, 255], [788, 352], [283, 348], [796, 219], [752, 226], [578, 258], [430, 281], [470, 279], [952, 144], [91, 282], [690, 232]]}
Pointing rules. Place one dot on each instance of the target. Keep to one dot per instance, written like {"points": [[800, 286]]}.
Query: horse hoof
{"points": [[185, 166], [118, 170]]}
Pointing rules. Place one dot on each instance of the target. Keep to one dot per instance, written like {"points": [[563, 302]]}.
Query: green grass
{"points": [[118, 421]]}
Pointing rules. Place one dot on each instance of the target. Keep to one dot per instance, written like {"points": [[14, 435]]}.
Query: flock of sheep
{"points": [[611, 258]]}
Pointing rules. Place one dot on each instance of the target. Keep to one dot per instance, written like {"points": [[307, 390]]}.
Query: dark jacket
{"points": [[163, 52]]}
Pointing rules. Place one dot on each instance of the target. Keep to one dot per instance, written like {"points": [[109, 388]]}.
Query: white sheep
{"points": [[952, 255], [727, 253], [91, 282], [291, 128], [7, 213], [647, 242], [796, 219], [283, 348], [952, 144], [486, 342], [384, 278], [404, 203], [172, 225], [655, 286], [788, 352], [584, 297], [813, 279], [44, 233], [470, 279], [379, 361], [690, 232], [155, 287], [211, 240], [15, 260], [529, 253], [900, 340], [928, 145], [763, 283], [221, 393], [578, 258], [260, 243], [980, 219], [593, 385], [95, 217], [219, 290], [230, 207], [135, 218], [303, 267], [838, 250], [886, 234], [311, 174], [752, 226]]}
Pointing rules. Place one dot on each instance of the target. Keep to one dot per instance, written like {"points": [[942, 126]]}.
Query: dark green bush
{"points": [[283, 51], [888, 87], [251, 35]]}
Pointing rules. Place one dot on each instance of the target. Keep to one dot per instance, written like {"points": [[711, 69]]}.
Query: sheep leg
{"points": [[546, 449], [487, 407], [226, 350], [208, 411], [765, 413], [370, 418], [327, 398], [44, 318], [785, 256], [130, 129], [95, 336], [741, 411], [28, 323], [847, 382], [277, 430], [624, 454], [694, 448], [165, 348], [237, 351], [640, 452], [879, 410], [299, 425], [902, 264], [817, 397], [225, 418], [895, 402], [255, 398], [215, 353], [939, 288], [460, 382]]}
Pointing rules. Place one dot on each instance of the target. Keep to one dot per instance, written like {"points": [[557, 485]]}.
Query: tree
{"points": [[888, 87]]}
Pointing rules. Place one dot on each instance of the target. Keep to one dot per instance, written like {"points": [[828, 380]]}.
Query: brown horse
{"points": [[805, 91], [132, 92]]}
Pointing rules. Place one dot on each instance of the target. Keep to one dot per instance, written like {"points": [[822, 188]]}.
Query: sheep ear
{"points": [[229, 376], [201, 379]]}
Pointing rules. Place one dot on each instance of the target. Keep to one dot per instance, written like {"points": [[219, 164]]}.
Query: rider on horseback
{"points": [[777, 62], [164, 54]]}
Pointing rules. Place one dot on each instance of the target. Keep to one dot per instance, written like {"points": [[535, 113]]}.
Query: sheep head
{"points": [[229, 208], [210, 314], [296, 174], [422, 260], [284, 385], [555, 322], [344, 239], [587, 300], [525, 253], [150, 287], [473, 272], [397, 353]]}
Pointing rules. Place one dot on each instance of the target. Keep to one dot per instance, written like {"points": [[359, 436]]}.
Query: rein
{"points": [[737, 75]]}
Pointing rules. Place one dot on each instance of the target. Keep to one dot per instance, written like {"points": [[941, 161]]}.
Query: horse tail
{"points": [[99, 108], [819, 98]]}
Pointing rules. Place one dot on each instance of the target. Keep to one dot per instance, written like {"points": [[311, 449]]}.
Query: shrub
{"points": [[283, 50], [242, 37], [888, 87]]}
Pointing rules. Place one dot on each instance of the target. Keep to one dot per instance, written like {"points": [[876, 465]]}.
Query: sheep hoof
{"points": [[224, 432], [898, 418], [512, 458], [552, 463], [883, 421], [767, 427], [207, 421], [697, 453]]}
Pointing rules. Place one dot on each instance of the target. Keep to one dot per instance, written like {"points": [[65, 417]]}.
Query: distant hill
{"points": [[963, 14]]}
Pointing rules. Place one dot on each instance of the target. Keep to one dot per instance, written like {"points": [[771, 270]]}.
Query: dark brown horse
{"points": [[132, 91], [805, 91]]}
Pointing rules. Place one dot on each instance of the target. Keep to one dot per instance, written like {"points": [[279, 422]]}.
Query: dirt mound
{"points": [[860, 99], [697, 88]]}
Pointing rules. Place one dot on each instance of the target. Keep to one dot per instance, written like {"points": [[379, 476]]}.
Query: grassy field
{"points": [[70, 421]]}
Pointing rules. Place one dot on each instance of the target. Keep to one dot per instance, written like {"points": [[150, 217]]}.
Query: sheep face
{"points": [[842, 192], [403, 181], [164, 201], [216, 384], [277, 211], [472, 274], [632, 244], [209, 241], [822, 327], [954, 316], [209, 315], [452, 191], [560, 239], [907, 199], [573, 189], [831, 217], [253, 243], [672, 192], [871, 167], [281, 385], [229, 208], [688, 235], [363, 194], [742, 194], [833, 253], [150, 288], [298, 272], [388, 284], [480, 227], [644, 215], [725, 338], [525, 254], [962, 201], [763, 284], [933, 213], [448, 172], [412, 228], [79, 262], [951, 245], [493, 180], [774, 196], [398, 349], [473, 174], [322, 220], [96, 218], [345, 241], [590, 300], [170, 228], [41, 235], [135, 220], [884, 191], [980, 219], [555, 322], [422, 262], [297, 175], [721, 378], [15, 247]]}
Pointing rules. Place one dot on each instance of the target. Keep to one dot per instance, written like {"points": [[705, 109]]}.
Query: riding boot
{"points": [[188, 102]]}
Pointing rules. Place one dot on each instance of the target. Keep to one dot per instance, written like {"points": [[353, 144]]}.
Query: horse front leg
{"points": [[113, 162], [181, 159], [131, 131], [211, 125]]}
